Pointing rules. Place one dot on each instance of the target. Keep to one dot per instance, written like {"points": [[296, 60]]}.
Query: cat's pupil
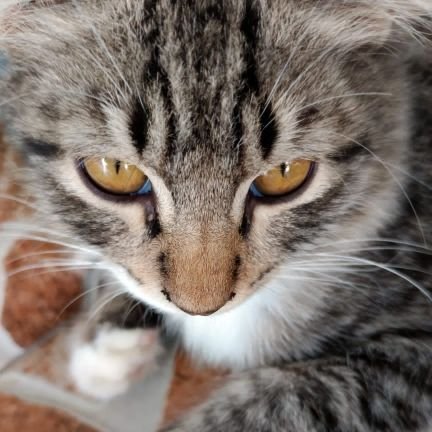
{"points": [[117, 166]]}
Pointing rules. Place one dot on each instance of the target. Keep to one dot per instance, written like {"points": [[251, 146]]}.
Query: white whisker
{"points": [[396, 180], [4, 196], [83, 294], [53, 268], [385, 268], [104, 302], [280, 76], [104, 47], [22, 235], [344, 96]]}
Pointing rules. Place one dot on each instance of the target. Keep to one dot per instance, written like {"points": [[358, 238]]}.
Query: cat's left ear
{"points": [[374, 23], [410, 17]]}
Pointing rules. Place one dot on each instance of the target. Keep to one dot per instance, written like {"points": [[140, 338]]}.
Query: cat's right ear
{"points": [[12, 10], [9, 5], [10, 13], [14, 4], [22, 22]]}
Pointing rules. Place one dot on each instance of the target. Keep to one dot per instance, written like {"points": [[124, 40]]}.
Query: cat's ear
{"points": [[382, 22], [23, 21], [11, 10], [406, 18], [7, 5], [14, 4]]}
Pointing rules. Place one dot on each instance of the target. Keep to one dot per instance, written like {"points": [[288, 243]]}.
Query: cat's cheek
{"points": [[150, 293], [131, 251]]}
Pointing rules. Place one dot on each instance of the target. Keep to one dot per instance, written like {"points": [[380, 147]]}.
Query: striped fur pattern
{"points": [[324, 298]]}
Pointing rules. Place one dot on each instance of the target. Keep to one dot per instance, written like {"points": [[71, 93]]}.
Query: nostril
{"points": [[163, 267], [236, 267], [167, 295], [154, 228], [245, 226], [233, 294]]}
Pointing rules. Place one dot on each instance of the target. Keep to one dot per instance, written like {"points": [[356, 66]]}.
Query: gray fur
{"points": [[348, 345]]}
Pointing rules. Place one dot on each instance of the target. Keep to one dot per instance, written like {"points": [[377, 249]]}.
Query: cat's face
{"points": [[203, 98]]}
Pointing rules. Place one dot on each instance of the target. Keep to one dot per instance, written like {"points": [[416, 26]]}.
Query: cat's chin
{"points": [[225, 339], [273, 318]]}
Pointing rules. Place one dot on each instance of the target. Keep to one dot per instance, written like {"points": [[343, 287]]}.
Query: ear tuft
{"points": [[412, 17], [375, 23]]}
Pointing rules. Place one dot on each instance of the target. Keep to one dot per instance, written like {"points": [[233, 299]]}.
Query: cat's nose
{"points": [[200, 280], [194, 308], [203, 313]]}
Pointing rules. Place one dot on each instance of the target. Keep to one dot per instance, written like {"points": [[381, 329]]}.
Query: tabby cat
{"points": [[256, 171]]}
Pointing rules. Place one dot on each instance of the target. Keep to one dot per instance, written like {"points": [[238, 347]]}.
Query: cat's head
{"points": [[205, 146]]}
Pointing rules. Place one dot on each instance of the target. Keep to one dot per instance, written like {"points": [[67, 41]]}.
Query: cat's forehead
{"points": [[189, 86], [173, 78], [193, 75]]}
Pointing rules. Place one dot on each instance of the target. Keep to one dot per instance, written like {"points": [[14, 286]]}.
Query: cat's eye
{"points": [[116, 177], [283, 179]]}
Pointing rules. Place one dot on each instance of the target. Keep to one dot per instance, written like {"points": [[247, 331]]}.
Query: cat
{"points": [[257, 172]]}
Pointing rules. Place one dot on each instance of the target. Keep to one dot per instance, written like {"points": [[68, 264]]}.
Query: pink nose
{"points": [[197, 309]]}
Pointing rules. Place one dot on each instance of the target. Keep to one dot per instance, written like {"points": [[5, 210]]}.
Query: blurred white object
{"points": [[140, 409]]}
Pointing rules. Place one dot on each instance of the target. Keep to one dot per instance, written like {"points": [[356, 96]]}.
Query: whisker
{"points": [[280, 76], [378, 249], [39, 254], [385, 268], [54, 267], [104, 303], [4, 196], [342, 266], [83, 294], [302, 74], [14, 98], [134, 304], [328, 279], [395, 241], [104, 47], [22, 235], [344, 96], [396, 180], [406, 173]]}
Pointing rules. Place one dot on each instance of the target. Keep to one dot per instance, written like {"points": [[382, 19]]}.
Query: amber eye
{"points": [[283, 179], [116, 177]]}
